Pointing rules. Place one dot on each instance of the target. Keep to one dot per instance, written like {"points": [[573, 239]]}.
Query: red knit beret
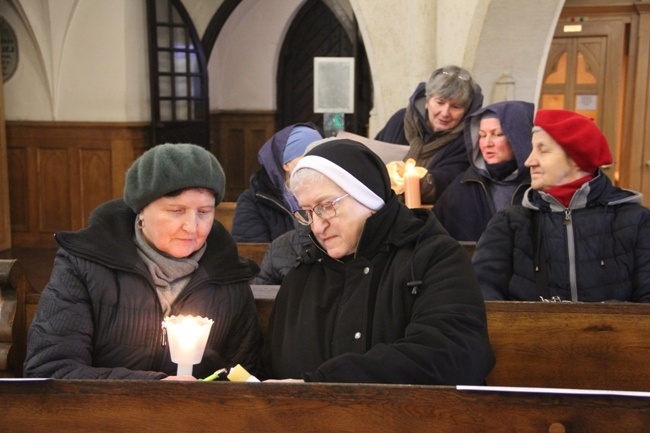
{"points": [[578, 135]]}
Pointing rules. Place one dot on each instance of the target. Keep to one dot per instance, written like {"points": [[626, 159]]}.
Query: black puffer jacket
{"points": [[261, 215], [99, 316], [596, 250], [358, 320], [283, 255]]}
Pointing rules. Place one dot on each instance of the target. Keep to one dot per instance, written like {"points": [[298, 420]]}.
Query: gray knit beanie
{"points": [[169, 167]]}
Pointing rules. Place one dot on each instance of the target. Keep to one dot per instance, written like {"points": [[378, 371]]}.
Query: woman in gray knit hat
{"points": [[155, 253]]}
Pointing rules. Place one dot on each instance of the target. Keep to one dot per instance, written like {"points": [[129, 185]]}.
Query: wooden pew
{"points": [[570, 345], [165, 406], [469, 247], [565, 345], [225, 212], [253, 250], [13, 331]]}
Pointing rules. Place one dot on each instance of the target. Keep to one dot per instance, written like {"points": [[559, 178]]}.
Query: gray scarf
{"points": [[170, 274], [414, 131]]}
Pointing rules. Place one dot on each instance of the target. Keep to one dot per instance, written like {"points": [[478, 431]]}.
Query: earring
{"points": [[140, 223]]}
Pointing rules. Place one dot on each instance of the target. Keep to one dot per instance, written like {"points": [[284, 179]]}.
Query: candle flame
{"points": [[410, 169]]}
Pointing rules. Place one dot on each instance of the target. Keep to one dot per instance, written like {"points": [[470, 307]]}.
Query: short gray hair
{"points": [[452, 82]]}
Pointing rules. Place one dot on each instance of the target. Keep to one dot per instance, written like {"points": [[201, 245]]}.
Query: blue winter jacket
{"points": [[596, 250], [472, 199], [264, 211]]}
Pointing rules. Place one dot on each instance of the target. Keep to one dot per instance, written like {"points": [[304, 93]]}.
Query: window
{"points": [[178, 74]]}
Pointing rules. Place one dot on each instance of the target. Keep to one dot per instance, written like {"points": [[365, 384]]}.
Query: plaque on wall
{"points": [[333, 85], [9, 44]]}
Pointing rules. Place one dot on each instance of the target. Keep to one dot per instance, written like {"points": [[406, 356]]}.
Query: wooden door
{"points": [[316, 31], [585, 72], [638, 174], [5, 223]]}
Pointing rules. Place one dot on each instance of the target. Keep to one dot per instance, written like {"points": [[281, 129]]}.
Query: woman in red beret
{"points": [[576, 237]]}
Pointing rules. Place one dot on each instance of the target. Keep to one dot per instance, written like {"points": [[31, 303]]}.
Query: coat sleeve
{"points": [[60, 339], [279, 258], [445, 341], [245, 348], [248, 224], [445, 166], [393, 131], [493, 258], [641, 281]]}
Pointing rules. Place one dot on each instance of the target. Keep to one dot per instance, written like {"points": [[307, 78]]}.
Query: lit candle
{"points": [[187, 336], [412, 176]]}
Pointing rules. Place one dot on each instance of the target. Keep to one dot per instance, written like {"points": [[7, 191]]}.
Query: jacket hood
{"points": [[418, 101], [271, 153], [516, 119], [598, 191], [108, 240]]}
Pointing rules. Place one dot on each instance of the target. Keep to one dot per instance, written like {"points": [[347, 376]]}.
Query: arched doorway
{"points": [[313, 29], [317, 31]]}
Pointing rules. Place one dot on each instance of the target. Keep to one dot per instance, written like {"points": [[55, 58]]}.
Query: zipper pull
{"points": [[567, 216], [163, 341]]}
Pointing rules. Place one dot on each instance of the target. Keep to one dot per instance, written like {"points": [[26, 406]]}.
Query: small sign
{"points": [[572, 28], [333, 85], [586, 102], [9, 44]]}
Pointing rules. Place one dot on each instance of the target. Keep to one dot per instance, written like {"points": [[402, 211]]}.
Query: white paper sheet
{"points": [[553, 390], [387, 151]]}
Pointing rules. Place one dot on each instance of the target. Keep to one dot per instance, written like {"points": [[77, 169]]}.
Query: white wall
{"points": [[83, 60], [515, 39], [86, 60], [243, 63], [400, 43], [201, 12]]}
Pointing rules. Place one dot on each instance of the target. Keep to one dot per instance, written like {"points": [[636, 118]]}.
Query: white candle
{"points": [[187, 336]]}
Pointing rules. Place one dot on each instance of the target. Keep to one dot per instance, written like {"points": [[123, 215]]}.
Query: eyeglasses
{"points": [[460, 74], [324, 211]]}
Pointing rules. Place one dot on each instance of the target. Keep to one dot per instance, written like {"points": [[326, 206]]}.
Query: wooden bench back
{"points": [[469, 247], [13, 330], [169, 406], [567, 345], [225, 213], [253, 250]]}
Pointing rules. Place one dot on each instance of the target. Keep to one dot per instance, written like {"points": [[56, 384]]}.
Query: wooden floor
{"points": [[37, 263]]}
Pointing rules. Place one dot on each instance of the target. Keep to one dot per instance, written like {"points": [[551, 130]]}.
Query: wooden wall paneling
{"points": [[95, 181], [53, 174], [126, 147], [66, 169], [236, 138]]}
